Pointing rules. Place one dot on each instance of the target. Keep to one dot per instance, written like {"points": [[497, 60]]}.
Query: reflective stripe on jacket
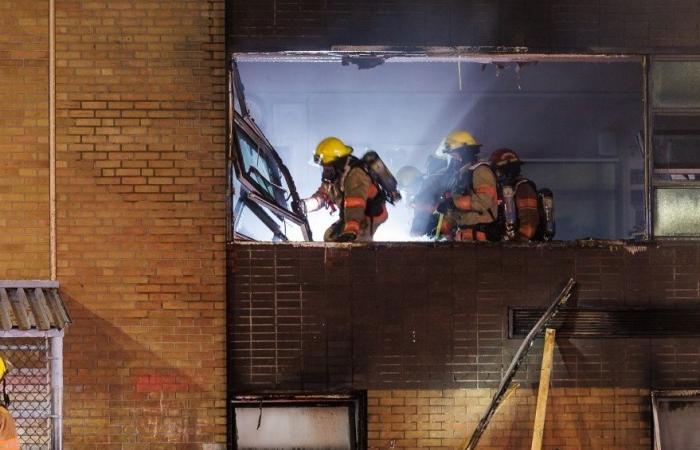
{"points": [[363, 211], [475, 196], [528, 214], [8, 431], [362, 208]]}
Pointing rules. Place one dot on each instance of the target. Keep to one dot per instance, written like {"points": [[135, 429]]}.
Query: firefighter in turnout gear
{"points": [[347, 185], [470, 206], [8, 431], [439, 170], [519, 216]]}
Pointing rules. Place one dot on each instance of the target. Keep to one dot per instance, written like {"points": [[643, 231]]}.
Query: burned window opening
{"points": [[556, 97]]}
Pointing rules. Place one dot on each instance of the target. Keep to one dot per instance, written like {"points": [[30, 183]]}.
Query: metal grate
{"points": [[29, 388], [607, 323]]}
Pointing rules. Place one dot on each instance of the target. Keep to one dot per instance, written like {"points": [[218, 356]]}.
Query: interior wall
{"points": [[552, 114]]}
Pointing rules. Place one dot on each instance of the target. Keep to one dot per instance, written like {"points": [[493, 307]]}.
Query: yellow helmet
{"points": [[330, 149], [458, 139], [5, 366]]}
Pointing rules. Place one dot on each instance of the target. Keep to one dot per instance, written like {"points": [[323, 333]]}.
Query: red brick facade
{"points": [[141, 216], [577, 418], [24, 151], [424, 328]]}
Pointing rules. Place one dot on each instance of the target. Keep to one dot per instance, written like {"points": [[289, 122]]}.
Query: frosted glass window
{"points": [[294, 428], [677, 212], [676, 84]]}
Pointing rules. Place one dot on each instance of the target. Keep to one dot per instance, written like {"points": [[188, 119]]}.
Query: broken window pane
{"points": [[294, 428], [676, 212], [676, 147], [676, 84], [255, 165]]}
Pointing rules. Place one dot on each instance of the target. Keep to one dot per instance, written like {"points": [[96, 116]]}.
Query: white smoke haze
{"points": [[574, 123]]}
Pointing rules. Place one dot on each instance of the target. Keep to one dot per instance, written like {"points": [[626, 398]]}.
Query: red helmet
{"points": [[504, 156]]}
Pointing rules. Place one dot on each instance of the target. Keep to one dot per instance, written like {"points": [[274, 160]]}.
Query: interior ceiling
{"points": [[542, 109]]}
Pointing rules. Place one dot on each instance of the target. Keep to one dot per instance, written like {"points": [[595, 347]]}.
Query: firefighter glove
{"points": [[299, 206], [445, 205]]}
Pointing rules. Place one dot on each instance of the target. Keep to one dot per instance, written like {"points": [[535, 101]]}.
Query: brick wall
{"points": [[24, 135], [141, 225], [577, 418], [432, 320], [583, 25]]}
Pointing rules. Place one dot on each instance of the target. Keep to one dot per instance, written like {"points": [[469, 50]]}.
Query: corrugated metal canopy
{"points": [[30, 305]]}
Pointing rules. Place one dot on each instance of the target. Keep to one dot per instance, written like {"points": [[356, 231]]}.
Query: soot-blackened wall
{"points": [[415, 316], [655, 26]]}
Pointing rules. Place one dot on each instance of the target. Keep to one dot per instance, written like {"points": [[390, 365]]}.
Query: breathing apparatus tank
{"points": [[510, 214], [381, 176], [545, 200]]}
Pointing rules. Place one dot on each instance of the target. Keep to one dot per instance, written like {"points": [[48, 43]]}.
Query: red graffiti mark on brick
{"points": [[160, 383]]}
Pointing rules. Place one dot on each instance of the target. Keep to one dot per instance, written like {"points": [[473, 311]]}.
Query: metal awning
{"points": [[32, 305]]}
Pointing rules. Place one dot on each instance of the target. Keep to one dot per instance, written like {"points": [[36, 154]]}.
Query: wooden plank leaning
{"points": [[518, 358], [543, 391]]}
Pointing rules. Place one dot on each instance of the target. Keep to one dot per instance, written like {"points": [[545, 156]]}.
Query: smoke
{"points": [[576, 124]]}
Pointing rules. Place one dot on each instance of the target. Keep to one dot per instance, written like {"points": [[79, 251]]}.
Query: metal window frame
{"points": [[651, 111], [252, 194]]}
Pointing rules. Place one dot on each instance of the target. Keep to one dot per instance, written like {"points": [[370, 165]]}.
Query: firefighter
{"points": [[469, 208], [518, 215], [439, 172], [410, 180], [8, 431], [346, 185]]}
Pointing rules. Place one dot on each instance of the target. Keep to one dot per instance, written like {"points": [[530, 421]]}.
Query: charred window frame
{"points": [[674, 147], [355, 403], [266, 188], [370, 56]]}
